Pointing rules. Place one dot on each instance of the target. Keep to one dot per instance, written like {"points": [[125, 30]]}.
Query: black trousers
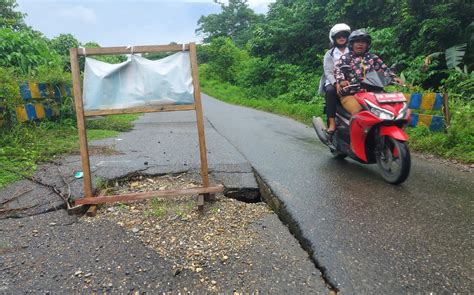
{"points": [[331, 101]]}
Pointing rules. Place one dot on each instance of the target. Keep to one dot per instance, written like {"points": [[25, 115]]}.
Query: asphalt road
{"points": [[367, 236]]}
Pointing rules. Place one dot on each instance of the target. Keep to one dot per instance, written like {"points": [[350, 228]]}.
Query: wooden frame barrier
{"points": [[81, 127]]}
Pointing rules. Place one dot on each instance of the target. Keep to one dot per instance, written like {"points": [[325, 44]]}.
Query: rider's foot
{"points": [[329, 133]]}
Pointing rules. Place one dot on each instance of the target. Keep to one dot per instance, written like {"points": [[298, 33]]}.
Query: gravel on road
{"points": [[156, 245]]}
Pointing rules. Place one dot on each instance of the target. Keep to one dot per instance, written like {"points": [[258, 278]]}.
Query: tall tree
{"points": [[9, 18], [293, 31], [235, 21], [425, 26], [61, 44]]}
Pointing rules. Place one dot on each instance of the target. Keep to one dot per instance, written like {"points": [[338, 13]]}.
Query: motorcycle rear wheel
{"points": [[319, 127], [394, 161]]}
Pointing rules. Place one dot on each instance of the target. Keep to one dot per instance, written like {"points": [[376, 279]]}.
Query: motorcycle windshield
{"points": [[377, 79]]}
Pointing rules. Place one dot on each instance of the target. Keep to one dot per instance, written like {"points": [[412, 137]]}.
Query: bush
{"points": [[236, 95], [457, 142], [26, 51], [226, 59], [9, 96], [385, 44], [302, 88], [459, 84], [255, 71]]}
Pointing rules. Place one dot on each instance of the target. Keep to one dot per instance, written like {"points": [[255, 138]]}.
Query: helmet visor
{"points": [[341, 35]]}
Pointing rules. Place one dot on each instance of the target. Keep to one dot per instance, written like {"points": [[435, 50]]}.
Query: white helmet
{"points": [[338, 28]]}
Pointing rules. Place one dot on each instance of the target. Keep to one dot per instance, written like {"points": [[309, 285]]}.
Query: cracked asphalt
{"points": [[365, 235], [43, 249]]}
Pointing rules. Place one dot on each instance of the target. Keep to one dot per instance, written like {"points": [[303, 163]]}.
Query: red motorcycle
{"points": [[375, 134]]}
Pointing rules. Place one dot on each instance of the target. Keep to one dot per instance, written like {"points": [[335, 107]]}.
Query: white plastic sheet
{"points": [[138, 82]]}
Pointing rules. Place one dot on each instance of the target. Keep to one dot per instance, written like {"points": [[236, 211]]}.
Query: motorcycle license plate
{"points": [[390, 97]]}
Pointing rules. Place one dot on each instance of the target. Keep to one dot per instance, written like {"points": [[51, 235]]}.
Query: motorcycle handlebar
{"points": [[349, 86], [399, 84]]}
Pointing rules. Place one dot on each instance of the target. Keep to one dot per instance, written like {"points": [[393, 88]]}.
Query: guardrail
{"points": [[40, 101], [433, 110]]}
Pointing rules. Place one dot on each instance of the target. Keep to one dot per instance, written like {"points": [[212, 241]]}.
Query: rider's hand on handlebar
{"points": [[398, 81], [340, 86]]}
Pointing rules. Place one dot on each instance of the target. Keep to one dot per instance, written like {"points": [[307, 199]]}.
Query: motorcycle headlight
{"points": [[379, 112]]}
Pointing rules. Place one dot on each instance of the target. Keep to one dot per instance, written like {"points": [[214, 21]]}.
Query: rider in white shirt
{"points": [[338, 36]]}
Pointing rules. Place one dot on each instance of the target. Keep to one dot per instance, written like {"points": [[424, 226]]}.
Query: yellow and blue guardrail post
{"points": [[41, 100], [428, 102]]}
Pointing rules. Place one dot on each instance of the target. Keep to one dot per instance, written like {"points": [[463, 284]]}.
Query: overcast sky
{"points": [[123, 22]]}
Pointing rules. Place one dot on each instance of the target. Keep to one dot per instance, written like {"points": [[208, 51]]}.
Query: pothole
{"points": [[192, 241], [197, 242]]}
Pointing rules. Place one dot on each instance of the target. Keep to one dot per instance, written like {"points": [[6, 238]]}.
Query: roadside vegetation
{"points": [[23, 146], [26, 55], [273, 62], [270, 62]]}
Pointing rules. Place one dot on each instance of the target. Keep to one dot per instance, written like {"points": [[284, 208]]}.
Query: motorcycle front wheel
{"points": [[394, 160]]}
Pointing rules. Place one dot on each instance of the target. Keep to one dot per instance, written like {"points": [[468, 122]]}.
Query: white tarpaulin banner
{"points": [[138, 82]]}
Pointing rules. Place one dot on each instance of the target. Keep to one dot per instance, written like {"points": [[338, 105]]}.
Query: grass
{"points": [[25, 145], [456, 144], [453, 145], [302, 112], [113, 123], [158, 208]]}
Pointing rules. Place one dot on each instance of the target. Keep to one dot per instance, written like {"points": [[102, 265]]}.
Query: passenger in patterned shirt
{"points": [[354, 66]]}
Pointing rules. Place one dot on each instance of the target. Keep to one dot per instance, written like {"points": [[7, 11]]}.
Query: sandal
{"points": [[329, 134]]}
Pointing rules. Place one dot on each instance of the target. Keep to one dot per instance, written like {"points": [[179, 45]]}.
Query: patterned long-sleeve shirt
{"points": [[354, 68]]}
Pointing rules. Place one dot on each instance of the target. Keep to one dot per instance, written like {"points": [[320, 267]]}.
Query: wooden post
{"points": [[200, 122], [80, 113], [447, 118], [81, 126]]}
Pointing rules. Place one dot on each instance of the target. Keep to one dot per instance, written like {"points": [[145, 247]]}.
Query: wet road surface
{"points": [[366, 235]]}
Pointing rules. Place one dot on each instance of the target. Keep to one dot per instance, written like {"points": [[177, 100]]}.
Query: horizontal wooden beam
{"points": [[129, 50], [149, 195], [145, 109]]}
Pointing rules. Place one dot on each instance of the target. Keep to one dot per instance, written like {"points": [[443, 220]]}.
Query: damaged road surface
{"points": [[365, 235], [156, 246], [362, 234], [153, 245]]}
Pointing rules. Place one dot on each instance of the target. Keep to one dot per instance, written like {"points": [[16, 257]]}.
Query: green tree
{"points": [[227, 58], [235, 21], [25, 50], [424, 27], [293, 31], [113, 59], [9, 18], [362, 13], [61, 44]]}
